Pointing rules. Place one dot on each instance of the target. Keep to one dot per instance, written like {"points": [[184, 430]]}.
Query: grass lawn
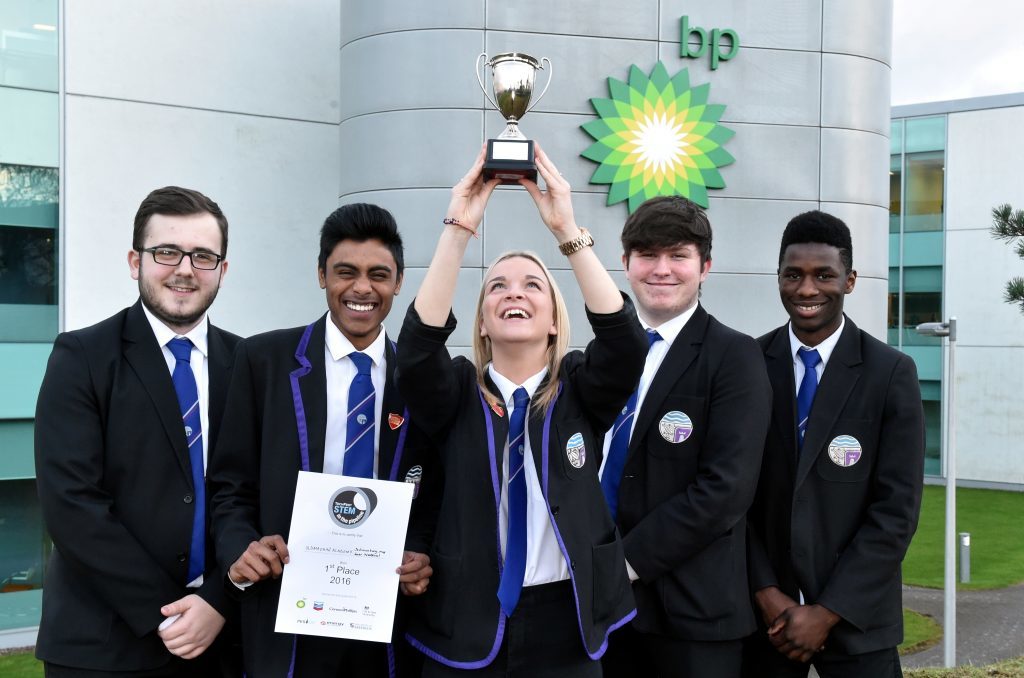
{"points": [[919, 632], [997, 547], [1012, 668], [20, 665]]}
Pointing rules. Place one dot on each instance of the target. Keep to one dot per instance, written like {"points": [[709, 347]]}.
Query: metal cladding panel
{"points": [[862, 28], [854, 167], [634, 19], [411, 70], [360, 19], [855, 93], [780, 24], [256, 58]]}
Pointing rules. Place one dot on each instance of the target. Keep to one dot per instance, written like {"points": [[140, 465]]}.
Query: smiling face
{"points": [[179, 295], [665, 281], [361, 279], [516, 304], [813, 283]]}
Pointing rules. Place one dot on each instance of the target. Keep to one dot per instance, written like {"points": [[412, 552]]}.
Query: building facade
{"points": [[952, 162], [280, 112]]}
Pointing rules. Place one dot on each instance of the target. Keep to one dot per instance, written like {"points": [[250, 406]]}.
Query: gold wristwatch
{"points": [[584, 239]]}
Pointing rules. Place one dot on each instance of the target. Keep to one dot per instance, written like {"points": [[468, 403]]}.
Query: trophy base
{"points": [[510, 160]]}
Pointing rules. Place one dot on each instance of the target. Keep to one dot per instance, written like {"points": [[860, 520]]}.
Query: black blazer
{"points": [[682, 506], [115, 487], [253, 477], [838, 533], [458, 621]]}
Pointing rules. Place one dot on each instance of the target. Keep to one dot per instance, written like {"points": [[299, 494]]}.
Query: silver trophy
{"points": [[510, 156]]}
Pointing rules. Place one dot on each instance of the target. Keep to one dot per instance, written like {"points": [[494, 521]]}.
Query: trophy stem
{"points": [[512, 130]]}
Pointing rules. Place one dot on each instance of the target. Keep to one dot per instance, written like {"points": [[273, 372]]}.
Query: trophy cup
{"points": [[510, 156]]}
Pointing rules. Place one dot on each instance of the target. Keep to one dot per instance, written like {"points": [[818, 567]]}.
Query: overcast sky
{"points": [[952, 49]]}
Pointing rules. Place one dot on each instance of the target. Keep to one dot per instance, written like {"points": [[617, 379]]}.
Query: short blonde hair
{"points": [[558, 343]]}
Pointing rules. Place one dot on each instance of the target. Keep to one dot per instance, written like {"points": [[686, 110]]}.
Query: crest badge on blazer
{"points": [[844, 451], [675, 427], [576, 451], [395, 420]]}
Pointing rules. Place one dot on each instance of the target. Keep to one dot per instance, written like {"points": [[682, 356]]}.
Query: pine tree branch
{"points": [[1007, 224]]}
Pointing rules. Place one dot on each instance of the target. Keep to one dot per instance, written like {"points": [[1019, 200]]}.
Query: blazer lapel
{"points": [[681, 354], [219, 364], [837, 381], [313, 386], [779, 363], [500, 424], [146, 358], [391, 411]]}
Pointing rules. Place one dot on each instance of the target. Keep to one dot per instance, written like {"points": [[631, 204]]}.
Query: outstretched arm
{"points": [[555, 206], [466, 209]]}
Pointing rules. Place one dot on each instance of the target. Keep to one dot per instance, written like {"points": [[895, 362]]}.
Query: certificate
{"points": [[346, 541]]}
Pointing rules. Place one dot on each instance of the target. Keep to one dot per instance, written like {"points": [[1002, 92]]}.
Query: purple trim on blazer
{"points": [[561, 545], [300, 410], [486, 661], [391, 661], [464, 665]]}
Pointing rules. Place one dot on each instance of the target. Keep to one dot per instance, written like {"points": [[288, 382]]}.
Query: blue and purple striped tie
{"points": [[511, 584]]}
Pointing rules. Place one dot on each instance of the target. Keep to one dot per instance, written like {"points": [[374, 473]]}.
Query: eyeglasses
{"points": [[172, 256]]}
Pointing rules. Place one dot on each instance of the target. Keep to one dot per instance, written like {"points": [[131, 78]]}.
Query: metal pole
{"points": [[949, 595]]}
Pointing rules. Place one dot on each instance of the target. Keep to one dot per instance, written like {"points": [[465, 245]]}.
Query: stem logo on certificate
{"points": [[346, 541]]}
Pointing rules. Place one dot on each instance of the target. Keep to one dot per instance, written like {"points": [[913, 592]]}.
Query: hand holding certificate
{"points": [[345, 543]]}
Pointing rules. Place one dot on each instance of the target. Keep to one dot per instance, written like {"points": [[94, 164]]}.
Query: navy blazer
{"points": [[835, 520], [116, 492], [683, 503], [277, 399], [458, 621]]}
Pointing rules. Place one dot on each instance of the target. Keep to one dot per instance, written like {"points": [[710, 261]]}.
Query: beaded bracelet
{"points": [[452, 221]]}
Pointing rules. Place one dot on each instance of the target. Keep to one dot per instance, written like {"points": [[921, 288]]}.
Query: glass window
{"points": [[26, 544], [924, 191], [895, 192], [932, 435], [925, 134], [28, 44]]}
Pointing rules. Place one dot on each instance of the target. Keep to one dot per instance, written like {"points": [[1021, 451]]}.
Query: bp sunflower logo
{"points": [[657, 136]]}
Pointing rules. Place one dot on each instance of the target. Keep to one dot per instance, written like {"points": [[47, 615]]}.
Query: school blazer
{"points": [[683, 503], [835, 520], [458, 621], [116, 492], [278, 389]]}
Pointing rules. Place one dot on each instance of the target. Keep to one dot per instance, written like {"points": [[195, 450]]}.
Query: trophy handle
{"points": [[536, 101], [479, 67]]}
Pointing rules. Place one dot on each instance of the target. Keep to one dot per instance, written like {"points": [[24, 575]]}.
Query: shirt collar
{"points": [[508, 388], [824, 349], [670, 329], [197, 335], [339, 345]]}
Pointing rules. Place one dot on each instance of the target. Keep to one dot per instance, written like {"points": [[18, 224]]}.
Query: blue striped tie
{"points": [[611, 477], [359, 431], [515, 544], [805, 395], [188, 400]]}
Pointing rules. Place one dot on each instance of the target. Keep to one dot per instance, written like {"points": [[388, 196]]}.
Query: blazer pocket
{"points": [[677, 427], [578, 453], [849, 454], [611, 583], [439, 600]]}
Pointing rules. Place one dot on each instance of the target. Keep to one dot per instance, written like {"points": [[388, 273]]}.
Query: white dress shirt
{"points": [[544, 560], [340, 371]]}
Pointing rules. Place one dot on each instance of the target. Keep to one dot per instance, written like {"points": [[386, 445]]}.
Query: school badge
{"points": [[576, 451], [844, 451], [414, 475], [497, 409], [395, 420], [675, 427]]}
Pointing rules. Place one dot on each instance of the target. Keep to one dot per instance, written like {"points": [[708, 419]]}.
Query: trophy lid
{"points": [[514, 56]]}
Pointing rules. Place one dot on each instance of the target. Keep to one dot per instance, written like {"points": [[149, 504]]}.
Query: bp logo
{"points": [[657, 136], [350, 506]]}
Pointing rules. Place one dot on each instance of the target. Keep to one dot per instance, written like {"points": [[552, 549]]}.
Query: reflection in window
{"points": [[895, 199], [26, 544], [924, 191], [28, 266]]}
